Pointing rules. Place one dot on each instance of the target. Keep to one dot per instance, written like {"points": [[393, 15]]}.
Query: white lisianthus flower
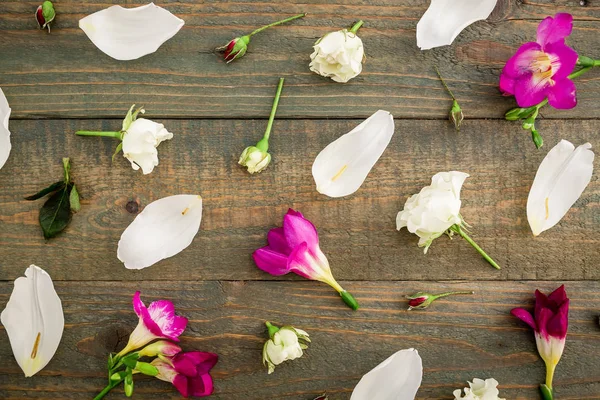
{"points": [[140, 142], [435, 210], [431, 212], [285, 344], [338, 55], [479, 390]]}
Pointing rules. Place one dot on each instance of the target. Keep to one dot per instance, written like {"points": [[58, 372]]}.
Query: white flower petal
{"points": [[5, 145], [130, 33], [397, 378], [561, 178], [165, 228], [445, 19], [342, 166], [34, 320]]}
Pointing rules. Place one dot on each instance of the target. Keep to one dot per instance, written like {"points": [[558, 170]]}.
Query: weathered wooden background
{"points": [[60, 82]]}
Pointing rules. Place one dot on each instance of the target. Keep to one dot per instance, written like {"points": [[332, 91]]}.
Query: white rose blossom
{"points": [[338, 55], [139, 140], [285, 343], [435, 210], [479, 390]]}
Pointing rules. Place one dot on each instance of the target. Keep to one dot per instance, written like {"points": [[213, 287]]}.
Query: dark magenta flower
{"points": [[188, 372], [541, 69], [158, 321], [550, 323], [295, 248]]}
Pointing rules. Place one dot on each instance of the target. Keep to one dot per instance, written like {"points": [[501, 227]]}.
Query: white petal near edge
{"points": [[397, 378], [34, 320], [130, 33], [165, 228], [5, 145], [445, 19], [561, 178], [341, 167]]}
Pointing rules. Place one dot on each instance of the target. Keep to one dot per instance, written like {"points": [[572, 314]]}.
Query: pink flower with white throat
{"points": [[157, 321]]}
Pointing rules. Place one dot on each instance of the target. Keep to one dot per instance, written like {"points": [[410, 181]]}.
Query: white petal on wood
{"points": [[5, 145], [165, 228], [445, 19], [34, 320], [341, 167], [397, 378], [561, 178], [130, 33]]}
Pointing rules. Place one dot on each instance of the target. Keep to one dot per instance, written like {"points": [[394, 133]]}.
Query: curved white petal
{"points": [[561, 178], [342, 166], [445, 19], [397, 378], [34, 320], [130, 33], [163, 229], [5, 145]]}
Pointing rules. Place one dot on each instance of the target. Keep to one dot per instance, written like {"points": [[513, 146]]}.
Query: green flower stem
{"points": [[107, 389], [437, 71], [438, 296], [283, 21], [116, 135], [457, 229], [263, 144], [356, 26]]}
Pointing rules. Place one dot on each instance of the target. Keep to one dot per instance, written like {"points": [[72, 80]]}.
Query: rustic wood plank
{"points": [[458, 338], [62, 74], [357, 233]]}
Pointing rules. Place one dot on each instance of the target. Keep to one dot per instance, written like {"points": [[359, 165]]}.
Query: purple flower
{"points": [[188, 372], [295, 248], [550, 325], [158, 321], [540, 70]]}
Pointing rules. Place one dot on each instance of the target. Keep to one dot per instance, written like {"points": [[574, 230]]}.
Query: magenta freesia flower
{"points": [[550, 323], [158, 321], [188, 372], [541, 69], [295, 248]]}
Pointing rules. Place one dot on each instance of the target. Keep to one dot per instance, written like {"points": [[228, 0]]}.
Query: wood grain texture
{"points": [[357, 233], [459, 338], [63, 74]]}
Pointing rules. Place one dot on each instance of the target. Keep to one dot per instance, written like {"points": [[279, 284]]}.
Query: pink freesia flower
{"points": [[540, 70], [550, 325], [295, 248], [158, 321], [188, 372]]}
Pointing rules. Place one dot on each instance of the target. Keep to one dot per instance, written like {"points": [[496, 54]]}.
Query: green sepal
{"points": [[52, 188], [128, 383], [55, 214], [547, 393], [272, 329], [349, 300], [48, 11], [130, 360], [128, 118], [118, 376], [146, 368], [117, 150], [74, 199]]}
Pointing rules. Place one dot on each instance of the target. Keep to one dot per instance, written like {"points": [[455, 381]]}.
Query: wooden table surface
{"points": [[60, 82]]}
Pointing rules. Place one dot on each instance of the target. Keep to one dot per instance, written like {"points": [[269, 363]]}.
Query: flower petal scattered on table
{"points": [[397, 378], [561, 178], [165, 228], [5, 145], [34, 320], [445, 19], [342, 167], [130, 33]]}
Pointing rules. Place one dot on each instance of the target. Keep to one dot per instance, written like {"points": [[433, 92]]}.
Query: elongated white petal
{"points": [[34, 320], [130, 33], [561, 178], [397, 378], [5, 145], [163, 229], [342, 166], [445, 19]]}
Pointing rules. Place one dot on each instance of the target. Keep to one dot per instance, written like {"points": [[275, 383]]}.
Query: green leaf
{"points": [[117, 150], [52, 188], [74, 199], [55, 214]]}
